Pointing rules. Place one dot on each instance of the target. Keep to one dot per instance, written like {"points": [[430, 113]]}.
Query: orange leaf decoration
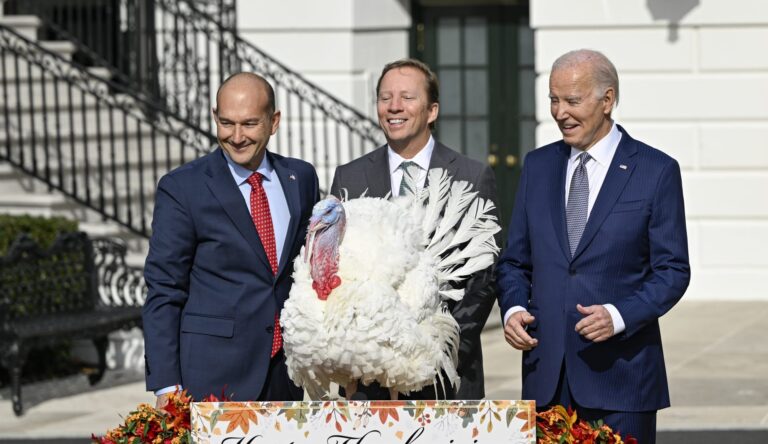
{"points": [[239, 419], [475, 432], [529, 424], [385, 409]]}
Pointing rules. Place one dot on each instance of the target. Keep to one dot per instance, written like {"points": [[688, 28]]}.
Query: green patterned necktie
{"points": [[410, 175]]}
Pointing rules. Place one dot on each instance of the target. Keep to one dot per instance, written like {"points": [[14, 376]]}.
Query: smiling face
{"points": [[404, 110], [245, 120], [581, 109]]}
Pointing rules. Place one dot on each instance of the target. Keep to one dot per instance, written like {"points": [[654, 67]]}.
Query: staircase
{"points": [[90, 142], [75, 144]]}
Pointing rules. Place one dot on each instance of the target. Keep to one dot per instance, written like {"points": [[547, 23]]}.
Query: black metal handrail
{"points": [[179, 51], [316, 126], [90, 138]]}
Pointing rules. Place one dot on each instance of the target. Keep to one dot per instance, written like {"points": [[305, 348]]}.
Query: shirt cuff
{"points": [[618, 321], [510, 312], [165, 390]]}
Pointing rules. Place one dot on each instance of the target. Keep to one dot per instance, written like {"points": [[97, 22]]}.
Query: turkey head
{"points": [[324, 234]]}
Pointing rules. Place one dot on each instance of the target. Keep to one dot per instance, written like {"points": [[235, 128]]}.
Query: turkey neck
{"points": [[324, 261]]}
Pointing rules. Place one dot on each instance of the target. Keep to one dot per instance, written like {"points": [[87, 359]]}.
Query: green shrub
{"points": [[42, 230], [51, 361]]}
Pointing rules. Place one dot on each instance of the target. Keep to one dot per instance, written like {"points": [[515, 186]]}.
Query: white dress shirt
{"points": [[602, 154], [278, 208], [422, 159]]}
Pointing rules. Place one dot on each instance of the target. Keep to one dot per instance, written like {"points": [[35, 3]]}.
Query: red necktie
{"points": [[262, 219]]}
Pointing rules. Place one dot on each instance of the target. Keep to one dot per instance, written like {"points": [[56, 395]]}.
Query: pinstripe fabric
{"points": [[410, 174], [578, 202], [639, 425], [632, 254]]}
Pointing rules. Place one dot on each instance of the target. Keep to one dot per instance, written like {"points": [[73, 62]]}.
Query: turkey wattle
{"points": [[367, 303]]}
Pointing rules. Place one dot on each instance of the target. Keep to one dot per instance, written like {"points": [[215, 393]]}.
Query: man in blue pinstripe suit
{"points": [[597, 252]]}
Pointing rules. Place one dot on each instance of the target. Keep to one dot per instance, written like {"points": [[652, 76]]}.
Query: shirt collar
{"points": [[422, 158], [602, 152], [241, 173]]}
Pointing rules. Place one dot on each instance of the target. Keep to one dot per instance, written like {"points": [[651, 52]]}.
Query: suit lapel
{"points": [[619, 172], [289, 181], [445, 158], [222, 185], [557, 195], [377, 173]]}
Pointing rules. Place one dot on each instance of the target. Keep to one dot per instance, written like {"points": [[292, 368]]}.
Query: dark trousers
{"points": [[278, 386], [639, 425]]}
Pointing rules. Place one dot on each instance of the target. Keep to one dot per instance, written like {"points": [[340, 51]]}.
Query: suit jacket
{"points": [[210, 311], [633, 254], [371, 173]]}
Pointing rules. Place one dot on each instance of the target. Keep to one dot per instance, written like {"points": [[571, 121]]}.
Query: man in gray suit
{"points": [[407, 104]]}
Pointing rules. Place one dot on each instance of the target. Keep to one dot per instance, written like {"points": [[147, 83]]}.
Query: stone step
{"points": [[77, 117], [152, 153], [26, 25], [58, 205], [92, 123], [46, 93], [21, 62]]}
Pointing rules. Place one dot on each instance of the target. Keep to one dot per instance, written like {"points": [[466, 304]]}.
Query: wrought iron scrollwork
{"points": [[251, 58], [119, 284], [107, 92]]}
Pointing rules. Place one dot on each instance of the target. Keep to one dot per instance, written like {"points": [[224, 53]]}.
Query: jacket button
{"points": [[572, 271], [270, 329]]}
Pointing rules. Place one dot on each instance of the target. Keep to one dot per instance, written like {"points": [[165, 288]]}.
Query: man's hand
{"points": [[162, 401], [514, 331], [597, 325]]}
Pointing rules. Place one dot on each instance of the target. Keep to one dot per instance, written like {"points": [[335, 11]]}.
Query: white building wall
{"points": [[694, 83], [341, 45]]}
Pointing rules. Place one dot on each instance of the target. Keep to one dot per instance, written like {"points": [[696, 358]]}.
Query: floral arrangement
{"points": [[171, 425], [560, 426]]}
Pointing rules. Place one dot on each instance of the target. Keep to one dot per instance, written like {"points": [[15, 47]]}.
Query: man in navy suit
{"points": [[226, 229], [597, 252]]}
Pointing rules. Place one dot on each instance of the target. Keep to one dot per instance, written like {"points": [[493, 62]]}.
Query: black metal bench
{"points": [[70, 291]]}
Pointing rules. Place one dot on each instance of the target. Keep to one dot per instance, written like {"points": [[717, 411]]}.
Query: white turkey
{"points": [[367, 303]]}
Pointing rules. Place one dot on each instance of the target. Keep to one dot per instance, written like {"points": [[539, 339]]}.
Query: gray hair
{"points": [[603, 72]]}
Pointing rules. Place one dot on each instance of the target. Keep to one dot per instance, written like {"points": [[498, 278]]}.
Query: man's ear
{"points": [[215, 114], [609, 100], [275, 121], [434, 110]]}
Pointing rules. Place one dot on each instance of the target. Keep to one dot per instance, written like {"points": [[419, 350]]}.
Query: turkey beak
{"points": [[315, 223]]}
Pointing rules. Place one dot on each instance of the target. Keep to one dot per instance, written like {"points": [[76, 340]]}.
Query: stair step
{"points": [[18, 66], [63, 48], [100, 72], [135, 259], [61, 206], [88, 123], [31, 200], [39, 95], [26, 25], [101, 229]]}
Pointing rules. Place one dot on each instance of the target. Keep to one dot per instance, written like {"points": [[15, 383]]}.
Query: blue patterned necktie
{"points": [[410, 174], [578, 202]]}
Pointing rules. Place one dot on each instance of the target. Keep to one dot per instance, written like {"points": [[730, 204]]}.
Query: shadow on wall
{"points": [[672, 11]]}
